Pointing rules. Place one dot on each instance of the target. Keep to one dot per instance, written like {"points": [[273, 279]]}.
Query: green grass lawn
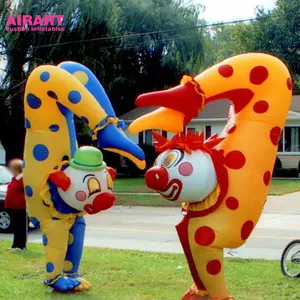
{"points": [[136, 275], [284, 186]]}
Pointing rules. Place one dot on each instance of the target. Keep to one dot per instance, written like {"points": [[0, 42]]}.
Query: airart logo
{"points": [[44, 23]]}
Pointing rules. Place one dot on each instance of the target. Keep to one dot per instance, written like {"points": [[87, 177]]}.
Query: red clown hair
{"points": [[188, 143]]}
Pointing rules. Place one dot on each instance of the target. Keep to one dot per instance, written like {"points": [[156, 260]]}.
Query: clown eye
{"points": [[93, 185], [170, 159]]}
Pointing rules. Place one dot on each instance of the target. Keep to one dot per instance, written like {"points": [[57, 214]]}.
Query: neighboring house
{"points": [[213, 119]]}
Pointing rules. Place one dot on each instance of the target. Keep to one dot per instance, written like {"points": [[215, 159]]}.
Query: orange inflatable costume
{"points": [[222, 214]]}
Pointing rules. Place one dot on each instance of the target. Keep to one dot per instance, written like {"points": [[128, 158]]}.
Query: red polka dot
{"points": [[235, 160], [185, 169], [231, 129], [232, 203], [213, 267], [204, 236], [275, 135], [246, 229], [261, 107], [225, 71], [258, 75], [267, 178], [289, 83]]}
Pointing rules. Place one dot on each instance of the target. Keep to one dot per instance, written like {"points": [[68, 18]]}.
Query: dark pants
{"points": [[20, 227]]}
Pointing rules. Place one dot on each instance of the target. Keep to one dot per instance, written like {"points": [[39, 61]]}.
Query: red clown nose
{"points": [[157, 178], [101, 202]]}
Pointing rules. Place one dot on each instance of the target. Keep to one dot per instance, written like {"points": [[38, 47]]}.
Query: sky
{"points": [[228, 10]]}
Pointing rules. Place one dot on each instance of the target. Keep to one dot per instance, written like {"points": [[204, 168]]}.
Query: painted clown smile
{"points": [[172, 191]]}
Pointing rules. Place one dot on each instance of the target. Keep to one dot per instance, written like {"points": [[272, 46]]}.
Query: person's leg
{"points": [[14, 220], [21, 228], [74, 253]]}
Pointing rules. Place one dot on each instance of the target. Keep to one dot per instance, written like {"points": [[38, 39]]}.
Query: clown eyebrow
{"points": [[87, 175], [180, 158]]}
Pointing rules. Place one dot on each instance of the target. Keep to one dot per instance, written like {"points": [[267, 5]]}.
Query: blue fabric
{"points": [[40, 152], [93, 85], [33, 101], [45, 76], [63, 284], [74, 252], [119, 141], [71, 127]]}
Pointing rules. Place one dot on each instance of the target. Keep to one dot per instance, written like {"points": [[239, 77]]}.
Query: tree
{"points": [[125, 66], [275, 35], [271, 34]]}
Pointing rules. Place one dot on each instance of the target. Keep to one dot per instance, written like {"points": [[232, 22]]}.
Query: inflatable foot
{"points": [[65, 284], [84, 284], [191, 295]]}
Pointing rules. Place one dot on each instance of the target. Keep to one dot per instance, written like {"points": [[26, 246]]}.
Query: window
{"points": [[149, 139], [207, 131], [290, 140], [190, 129]]}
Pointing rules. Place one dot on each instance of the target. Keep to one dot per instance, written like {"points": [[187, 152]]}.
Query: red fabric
{"points": [[60, 179], [15, 196]]}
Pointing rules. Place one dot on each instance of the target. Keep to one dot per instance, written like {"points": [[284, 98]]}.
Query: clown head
{"points": [[185, 169], [86, 184]]}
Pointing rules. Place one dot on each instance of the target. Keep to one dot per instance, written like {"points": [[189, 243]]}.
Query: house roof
{"points": [[214, 110]]}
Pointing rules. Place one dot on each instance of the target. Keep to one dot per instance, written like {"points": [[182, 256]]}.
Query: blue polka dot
{"points": [[54, 218], [45, 76], [74, 97], [64, 110], [85, 120], [33, 101], [45, 240], [28, 191], [40, 152], [52, 95], [27, 123], [49, 267], [35, 221], [54, 127]]}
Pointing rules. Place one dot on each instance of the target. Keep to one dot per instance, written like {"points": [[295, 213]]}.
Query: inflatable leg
{"points": [[74, 253], [209, 265], [55, 240]]}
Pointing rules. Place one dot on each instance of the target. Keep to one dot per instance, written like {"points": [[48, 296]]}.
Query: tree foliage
{"points": [[271, 34], [125, 66]]}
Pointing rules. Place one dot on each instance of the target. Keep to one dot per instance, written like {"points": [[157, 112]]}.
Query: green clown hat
{"points": [[88, 158]]}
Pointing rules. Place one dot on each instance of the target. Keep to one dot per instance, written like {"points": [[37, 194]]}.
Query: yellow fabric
{"points": [[259, 85], [168, 119], [57, 233], [208, 202]]}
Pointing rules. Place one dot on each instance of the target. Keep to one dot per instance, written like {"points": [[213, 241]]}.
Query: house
{"points": [[213, 119]]}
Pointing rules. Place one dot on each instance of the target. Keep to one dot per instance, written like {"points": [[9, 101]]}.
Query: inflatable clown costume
{"points": [[58, 191], [222, 181]]}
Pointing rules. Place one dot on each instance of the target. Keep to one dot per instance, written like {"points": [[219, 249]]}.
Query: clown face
{"points": [[89, 191], [177, 175]]}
